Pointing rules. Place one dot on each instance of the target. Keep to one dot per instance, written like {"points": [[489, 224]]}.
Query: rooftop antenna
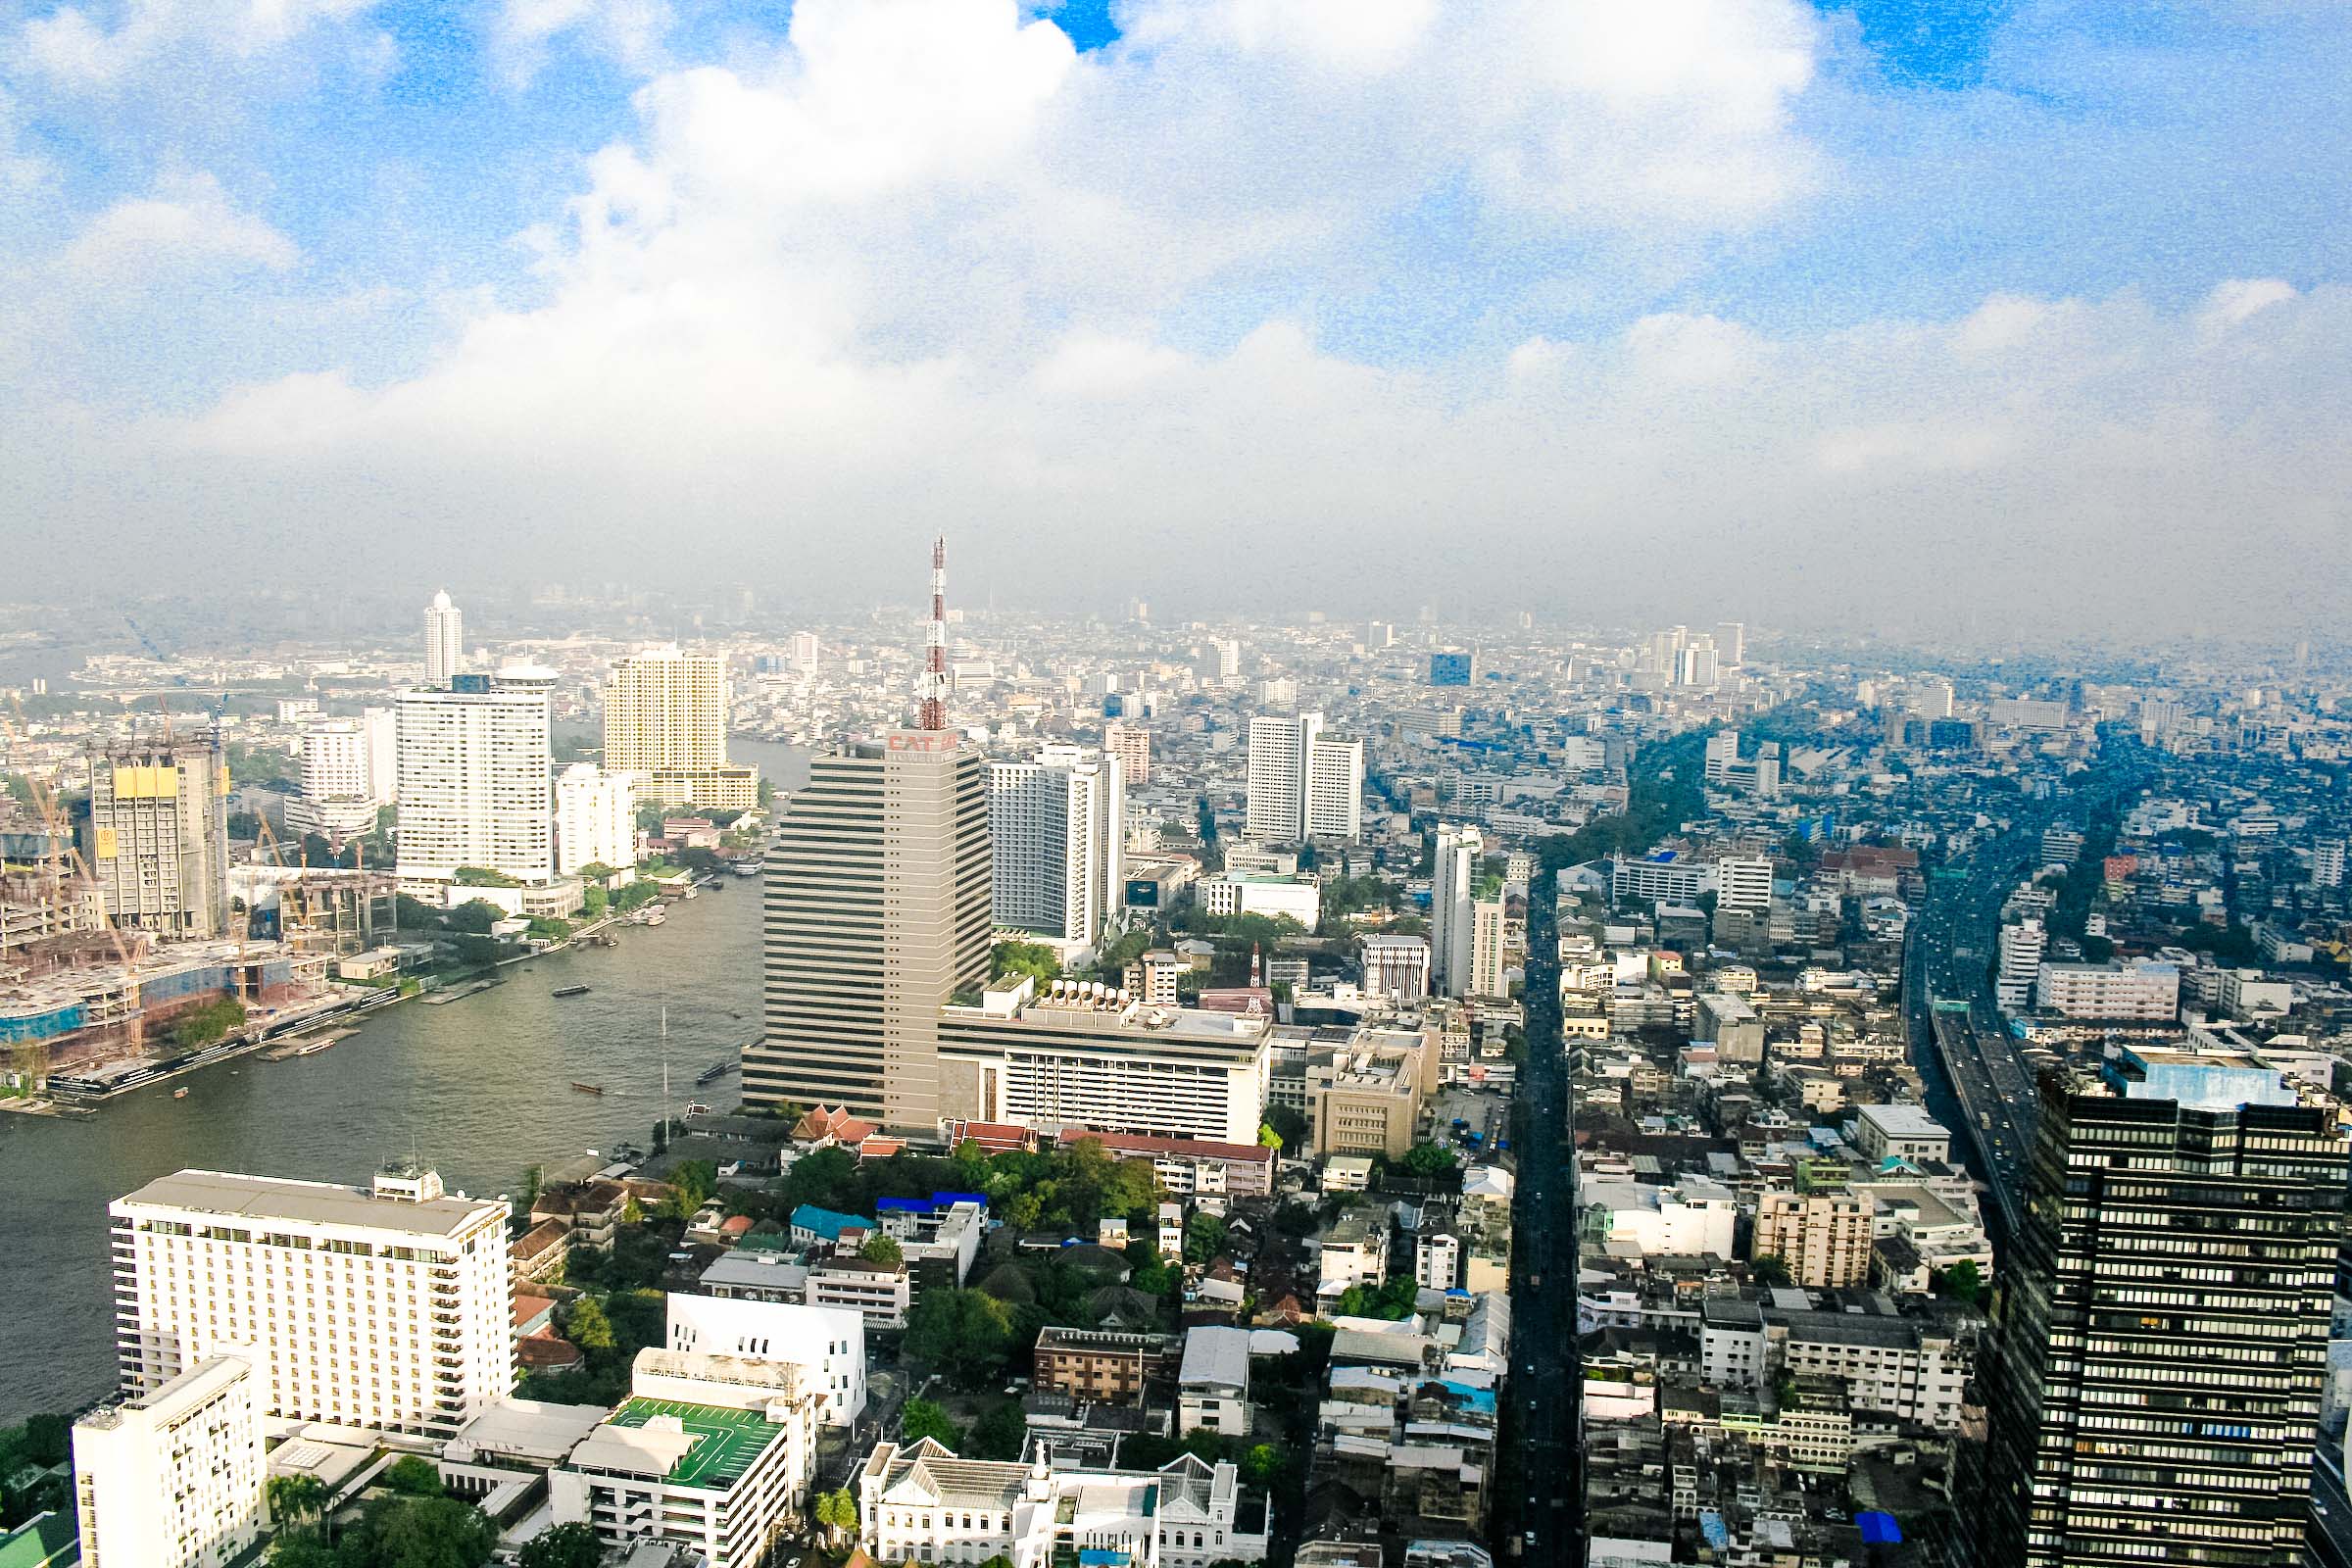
{"points": [[935, 651]]}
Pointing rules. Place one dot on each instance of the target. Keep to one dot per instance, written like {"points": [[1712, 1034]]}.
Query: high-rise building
{"points": [[1486, 948], [1131, 743], [1054, 830], [380, 728], [382, 1306], [444, 641], [336, 799], [1335, 789], [665, 716], [2022, 946], [2328, 863], [1723, 754], [1301, 783], [596, 818], [172, 1478], [1277, 776], [807, 650], [1452, 887], [473, 779], [1731, 643], [666, 709], [878, 912], [157, 841], [2161, 1333]]}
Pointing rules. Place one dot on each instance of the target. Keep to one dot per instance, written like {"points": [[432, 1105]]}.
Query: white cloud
{"points": [[2241, 299], [184, 226], [75, 50]]}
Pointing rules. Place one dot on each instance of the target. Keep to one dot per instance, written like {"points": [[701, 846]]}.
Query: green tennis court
{"points": [[725, 1441]]}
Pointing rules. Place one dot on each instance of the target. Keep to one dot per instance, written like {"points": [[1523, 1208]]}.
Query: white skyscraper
{"points": [[1486, 949], [1303, 785], [1723, 753], [444, 640], [335, 797], [1742, 883], [381, 728], [596, 818], [473, 778], [383, 1306], [2021, 946], [1731, 643], [1452, 889], [1055, 831], [172, 1478]]}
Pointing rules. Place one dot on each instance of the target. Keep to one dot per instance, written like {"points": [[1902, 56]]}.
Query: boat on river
{"points": [[588, 1089], [713, 1073], [569, 991]]}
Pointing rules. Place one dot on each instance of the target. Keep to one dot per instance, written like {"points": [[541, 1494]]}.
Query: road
{"points": [[1540, 1510], [1948, 995]]}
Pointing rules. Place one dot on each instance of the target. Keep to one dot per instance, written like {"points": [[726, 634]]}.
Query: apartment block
{"points": [[172, 1478]]}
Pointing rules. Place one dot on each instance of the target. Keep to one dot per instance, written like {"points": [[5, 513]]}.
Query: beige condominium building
{"points": [[665, 716], [877, 914]]}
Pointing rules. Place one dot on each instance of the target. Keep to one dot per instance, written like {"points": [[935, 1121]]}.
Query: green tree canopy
{"points": [[475, 916], [1031, 958], [928, 1418], [882, 1249], [413, 1476], [965, 1335], [998, 1435], [571, 1546], [1429, 1159], [588, 1327]]}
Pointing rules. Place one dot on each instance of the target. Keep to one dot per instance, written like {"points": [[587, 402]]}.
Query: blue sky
{"points": [[320, 231]]}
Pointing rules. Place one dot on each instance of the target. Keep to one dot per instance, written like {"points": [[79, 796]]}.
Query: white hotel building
{"points": [[1056, 827], [172, 1479], [383, 1306]]}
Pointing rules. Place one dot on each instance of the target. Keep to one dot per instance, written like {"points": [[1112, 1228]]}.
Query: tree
{"points": [[302, 1549], [928, 1418], [1289, 1123], [1267, 1137], [696, 1180], [1012, 960], [1263, 1465], [588, 1327], [964, 1333], [415, 1476], [420, 1533], [1429, 1159], [296, 1499], [48, 1439], [1962, 1282], [1770, 1269], [837, 1512], [1204, 1237], [571, 1546], [475, 916], [998, 1435], [882, 1249]]}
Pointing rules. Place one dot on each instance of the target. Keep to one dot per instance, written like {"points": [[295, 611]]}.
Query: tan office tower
{"points": [[878, 912], [156, 841]]}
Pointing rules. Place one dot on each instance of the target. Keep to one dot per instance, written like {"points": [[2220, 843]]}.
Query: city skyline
{"points": [[1819, 305]]}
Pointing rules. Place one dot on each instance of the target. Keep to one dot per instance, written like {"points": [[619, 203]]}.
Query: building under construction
{"points": [[156, 841], [318, 909]]}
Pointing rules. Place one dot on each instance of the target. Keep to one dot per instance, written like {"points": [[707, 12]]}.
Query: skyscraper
{"points": [[473, 778], [1486, 948], [2162, 1334], [1453, 888], [336, 774], [444, 641], [157, 841], [878, 912], [1054, 832], [665, 716], [1301, 784], [1731, 643]]}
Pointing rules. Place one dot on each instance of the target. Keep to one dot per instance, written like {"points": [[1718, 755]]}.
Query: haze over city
{"points": [[2018, 312], [1175, 784]]}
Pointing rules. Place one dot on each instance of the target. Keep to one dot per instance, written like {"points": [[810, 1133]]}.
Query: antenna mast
{"points": [[935, 651]]}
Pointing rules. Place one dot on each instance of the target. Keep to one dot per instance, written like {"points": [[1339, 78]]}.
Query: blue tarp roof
{"points": [[1879, 1529], [927, 1205]]}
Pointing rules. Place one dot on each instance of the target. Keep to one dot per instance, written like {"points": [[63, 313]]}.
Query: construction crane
{"points": [[219, 697]]}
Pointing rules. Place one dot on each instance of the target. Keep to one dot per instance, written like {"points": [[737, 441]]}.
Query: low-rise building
{"points": [[1212, 1384], [1100, 1367], [921, 1503]]}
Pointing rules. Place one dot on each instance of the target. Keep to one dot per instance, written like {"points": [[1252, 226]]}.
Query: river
{"points": [[480, 1088]]}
